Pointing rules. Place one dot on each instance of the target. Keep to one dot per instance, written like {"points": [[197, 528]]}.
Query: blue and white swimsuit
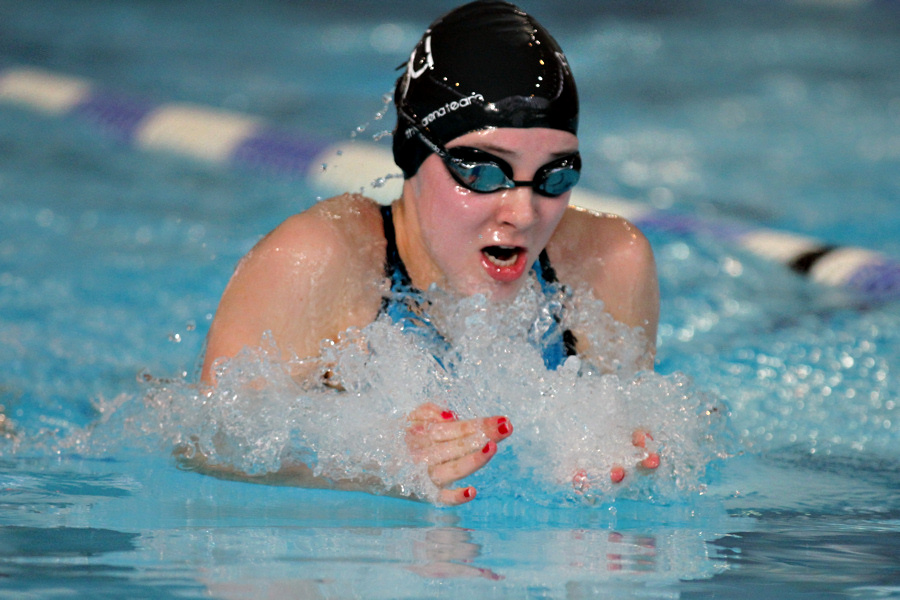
{"points": [[405, 305]]}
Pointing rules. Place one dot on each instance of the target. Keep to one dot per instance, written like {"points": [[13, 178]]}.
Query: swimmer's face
{"points": [[474, 242]]}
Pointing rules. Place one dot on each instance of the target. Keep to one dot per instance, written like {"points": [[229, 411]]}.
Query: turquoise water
{"points": [[112, 261]]}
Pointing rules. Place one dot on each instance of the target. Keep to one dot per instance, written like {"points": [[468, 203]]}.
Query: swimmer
{"points": [[486, 137]]}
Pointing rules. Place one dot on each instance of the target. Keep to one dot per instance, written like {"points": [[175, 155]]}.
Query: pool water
{"points": [[784, 115]]}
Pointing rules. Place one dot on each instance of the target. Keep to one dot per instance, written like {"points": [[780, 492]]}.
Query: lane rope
{"points": [[232, 138]]}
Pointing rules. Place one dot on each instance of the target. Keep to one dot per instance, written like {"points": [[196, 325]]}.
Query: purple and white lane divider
{"points": [[237, 139]]}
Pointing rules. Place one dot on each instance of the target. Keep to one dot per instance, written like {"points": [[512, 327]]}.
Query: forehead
{"points": [[509, 140]]}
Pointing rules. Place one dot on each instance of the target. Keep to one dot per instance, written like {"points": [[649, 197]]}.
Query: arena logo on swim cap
{"points": [[429, 60], [449, 107], [413, 73]]}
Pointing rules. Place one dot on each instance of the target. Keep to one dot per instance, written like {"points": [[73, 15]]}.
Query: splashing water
{"points": [[578, 419]]}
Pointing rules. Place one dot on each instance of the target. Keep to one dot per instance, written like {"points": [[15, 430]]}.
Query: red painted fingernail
{"points": [[503, 428], [469, 492], [651, 462], [502, 420], [617, 474], [448, 415], [639, 439], [486, 449]]}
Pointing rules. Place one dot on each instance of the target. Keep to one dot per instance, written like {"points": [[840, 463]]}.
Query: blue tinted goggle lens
{"points": [[483, 172]]}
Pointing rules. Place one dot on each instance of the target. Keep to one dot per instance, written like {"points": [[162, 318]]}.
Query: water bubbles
{"points": [[380, 182], [358, 130], [269, 414]]}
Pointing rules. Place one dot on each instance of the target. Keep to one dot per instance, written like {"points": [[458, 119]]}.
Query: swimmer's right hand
{"points": [[453, 449]]}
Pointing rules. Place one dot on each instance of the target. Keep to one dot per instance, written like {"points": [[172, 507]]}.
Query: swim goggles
{"points": [[486, 173]]}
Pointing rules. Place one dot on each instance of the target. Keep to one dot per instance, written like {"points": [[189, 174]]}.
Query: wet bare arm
{"points": [[615, 259], [308, 280]]}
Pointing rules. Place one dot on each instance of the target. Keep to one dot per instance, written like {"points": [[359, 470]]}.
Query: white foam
{"points": [[577, 418]]}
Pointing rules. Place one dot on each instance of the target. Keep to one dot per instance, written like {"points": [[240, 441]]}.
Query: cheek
{"points": [[453, 214], [454, 223]]}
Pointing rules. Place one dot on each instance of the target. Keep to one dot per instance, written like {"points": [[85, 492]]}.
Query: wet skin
{"points": [[475, 243], [320, 273]]}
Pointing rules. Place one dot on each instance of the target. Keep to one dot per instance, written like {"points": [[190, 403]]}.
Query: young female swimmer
{"points": [[487, 114]]}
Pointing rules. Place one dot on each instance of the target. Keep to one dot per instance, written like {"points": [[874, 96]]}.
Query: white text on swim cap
{"points": [[449, 107], [429, 60]]}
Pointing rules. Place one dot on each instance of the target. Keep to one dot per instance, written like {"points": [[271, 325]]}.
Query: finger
{"points": [[495, 428], [434, 454], [651, 461], [422, 435], [580, 481], [639, 438], [423, 430], [457, 496], [430, 411], [446, 473]]}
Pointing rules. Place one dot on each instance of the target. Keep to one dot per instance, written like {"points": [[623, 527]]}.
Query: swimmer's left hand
{"points": [[453, 449], [649, 462]]}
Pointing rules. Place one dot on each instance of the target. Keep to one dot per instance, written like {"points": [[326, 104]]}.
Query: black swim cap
{"points": [[485, 64]]}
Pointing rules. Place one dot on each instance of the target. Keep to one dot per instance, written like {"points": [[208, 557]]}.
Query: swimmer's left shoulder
{"points": [[610, 255], [582, 233]]}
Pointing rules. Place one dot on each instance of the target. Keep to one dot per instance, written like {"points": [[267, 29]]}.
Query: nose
{"points": [[518, 207]]}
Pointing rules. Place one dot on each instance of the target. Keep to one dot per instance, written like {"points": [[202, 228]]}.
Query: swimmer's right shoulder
{"points": [[309, 279], [333, 226]]}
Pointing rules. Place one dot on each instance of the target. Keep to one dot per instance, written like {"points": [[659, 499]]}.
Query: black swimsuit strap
{"points": [[549, 274], [547, 269], [394, 269]]}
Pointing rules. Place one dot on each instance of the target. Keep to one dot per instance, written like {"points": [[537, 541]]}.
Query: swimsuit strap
{"points": [[405, 305], [546, 272], [394, 269], [409, 309], [557, 346]]}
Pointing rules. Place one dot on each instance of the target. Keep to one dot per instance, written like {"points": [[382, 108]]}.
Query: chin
{"points": [[503, 292]]}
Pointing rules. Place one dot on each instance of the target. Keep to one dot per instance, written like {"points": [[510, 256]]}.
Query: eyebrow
{"points": [[512, 154]]}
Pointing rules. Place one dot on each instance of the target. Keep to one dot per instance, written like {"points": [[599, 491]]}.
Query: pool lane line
{"points": [[231, 138], [208, 134]]}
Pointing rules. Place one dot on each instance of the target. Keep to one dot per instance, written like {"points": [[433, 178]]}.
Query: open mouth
{"points": [[502, 256]]}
